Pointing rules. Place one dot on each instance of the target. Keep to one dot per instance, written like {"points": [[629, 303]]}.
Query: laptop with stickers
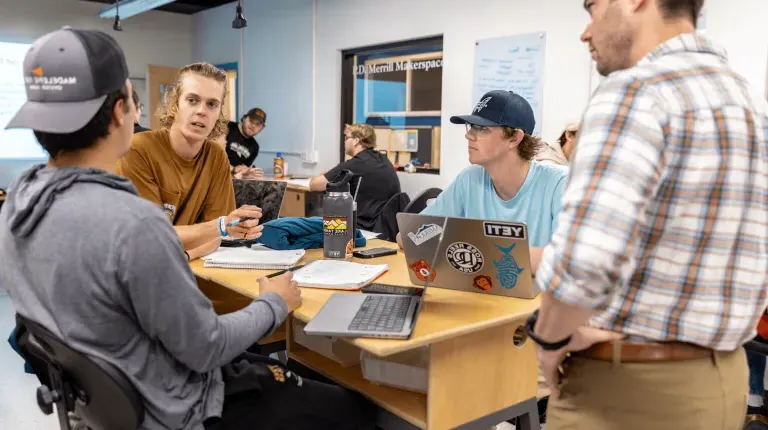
{"points": [[480, 256]]}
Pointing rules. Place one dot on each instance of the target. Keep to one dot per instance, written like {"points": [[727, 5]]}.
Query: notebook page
{"points": [[335, 274]]}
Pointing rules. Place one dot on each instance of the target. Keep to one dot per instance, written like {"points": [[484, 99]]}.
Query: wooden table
{"points": [[478, 376]]}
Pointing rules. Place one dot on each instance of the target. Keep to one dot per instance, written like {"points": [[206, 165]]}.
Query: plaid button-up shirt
{"points": [[664, 227]]}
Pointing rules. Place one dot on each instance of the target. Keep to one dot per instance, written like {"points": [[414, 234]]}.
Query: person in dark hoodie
{"points": [[102, 269]]}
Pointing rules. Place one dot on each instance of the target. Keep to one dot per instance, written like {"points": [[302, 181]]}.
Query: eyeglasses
{"points": [[477, 130], [344, 137]]}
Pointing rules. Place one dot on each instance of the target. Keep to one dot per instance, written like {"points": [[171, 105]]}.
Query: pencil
{"points": [[272, 275]]}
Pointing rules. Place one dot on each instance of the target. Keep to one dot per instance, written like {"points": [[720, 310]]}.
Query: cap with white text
{"points": [[68, 74], [500, 108]]}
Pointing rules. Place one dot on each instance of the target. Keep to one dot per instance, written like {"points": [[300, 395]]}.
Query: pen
{"points": [[238, 221], [272, 275]]}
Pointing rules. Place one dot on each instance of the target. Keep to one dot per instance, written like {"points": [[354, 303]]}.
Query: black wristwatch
{"points": [[547, 346]]}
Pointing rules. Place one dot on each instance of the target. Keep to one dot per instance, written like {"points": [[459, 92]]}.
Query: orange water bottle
{"points": [[279, 166]]}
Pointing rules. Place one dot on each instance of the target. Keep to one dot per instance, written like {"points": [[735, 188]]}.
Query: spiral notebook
{"points": [[253, 258]]}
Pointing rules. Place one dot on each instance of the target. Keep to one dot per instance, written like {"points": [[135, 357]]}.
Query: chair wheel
{"points": [[45, 399]]}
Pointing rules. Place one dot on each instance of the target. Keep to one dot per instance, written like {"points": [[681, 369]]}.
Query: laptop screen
{"points": [[268, 195]]}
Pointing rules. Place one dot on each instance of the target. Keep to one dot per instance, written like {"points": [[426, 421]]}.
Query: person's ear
{"points": [[516, 138], [119, 113]]}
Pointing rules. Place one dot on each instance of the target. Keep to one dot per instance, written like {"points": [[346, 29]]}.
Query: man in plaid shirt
{"points": [[656, 274]]}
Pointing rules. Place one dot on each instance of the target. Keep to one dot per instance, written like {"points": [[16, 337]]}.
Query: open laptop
{"points": [[371, 315], [481, 256]]}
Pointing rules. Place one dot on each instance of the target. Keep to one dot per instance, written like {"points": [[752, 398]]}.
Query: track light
{"points": [[239, 21], [117, 26]]}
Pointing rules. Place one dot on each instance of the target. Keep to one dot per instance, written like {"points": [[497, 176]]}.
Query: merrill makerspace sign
{"points": [[396, 66]]}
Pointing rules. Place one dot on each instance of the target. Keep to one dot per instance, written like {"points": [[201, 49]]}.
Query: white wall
{"points": [[150, 38], [741, 27], [279, 76]]}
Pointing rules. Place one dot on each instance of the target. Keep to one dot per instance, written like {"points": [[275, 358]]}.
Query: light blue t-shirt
{"points": [[472, 195]]}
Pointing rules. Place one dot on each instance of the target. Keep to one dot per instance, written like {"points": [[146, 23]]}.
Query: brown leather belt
{"points": [[644, 351]]}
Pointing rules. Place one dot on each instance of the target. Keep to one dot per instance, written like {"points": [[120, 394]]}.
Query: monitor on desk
{"points": [[268, 195]]}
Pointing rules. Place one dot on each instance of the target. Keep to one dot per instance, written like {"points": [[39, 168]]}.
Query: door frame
{"points": [[234, 66]]}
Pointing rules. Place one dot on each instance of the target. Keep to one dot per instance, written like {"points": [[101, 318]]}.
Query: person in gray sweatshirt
{"points": [[103, 270]]}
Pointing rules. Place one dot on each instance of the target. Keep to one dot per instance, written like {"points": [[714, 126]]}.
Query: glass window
{"points": [[397, 88]]}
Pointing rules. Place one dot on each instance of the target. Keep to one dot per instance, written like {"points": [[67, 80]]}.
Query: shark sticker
{"points": [[507, 269], [425, 233]]}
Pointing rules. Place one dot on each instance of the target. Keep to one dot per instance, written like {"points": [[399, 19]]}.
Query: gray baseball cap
{"points": [[68, 74]]}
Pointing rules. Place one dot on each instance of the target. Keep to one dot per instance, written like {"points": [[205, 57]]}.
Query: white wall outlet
{"points": [[310, 157]]}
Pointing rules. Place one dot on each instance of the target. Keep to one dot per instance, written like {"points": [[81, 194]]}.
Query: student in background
{"points": [[137, 128], [547, 154], [103, 270], [567, 140], [240, 143], [378, 175], [182, 168], [504, 182]]}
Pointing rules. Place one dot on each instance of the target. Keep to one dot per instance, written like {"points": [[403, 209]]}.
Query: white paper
{"points": [[338, 274], [368, 235], [299, 182]]}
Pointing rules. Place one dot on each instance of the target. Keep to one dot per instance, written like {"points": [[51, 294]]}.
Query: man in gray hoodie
{"points": [[102, 269]]}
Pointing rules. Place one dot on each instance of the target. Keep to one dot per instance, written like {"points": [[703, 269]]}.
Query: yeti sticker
{"points": [[507, 269]]}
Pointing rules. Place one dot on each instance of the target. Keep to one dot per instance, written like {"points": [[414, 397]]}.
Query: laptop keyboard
{"points": [[381, 313]]}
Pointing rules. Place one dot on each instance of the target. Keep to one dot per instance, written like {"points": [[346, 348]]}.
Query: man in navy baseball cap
{"points": [[504, 181]]}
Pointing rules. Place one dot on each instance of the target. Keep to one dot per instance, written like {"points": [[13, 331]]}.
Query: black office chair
{"points": [[96, 393], [420, 202], [386, 223]]}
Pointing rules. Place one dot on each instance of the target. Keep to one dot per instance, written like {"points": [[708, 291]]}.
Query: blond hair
{"points": [[364, 132], [170, 106]]}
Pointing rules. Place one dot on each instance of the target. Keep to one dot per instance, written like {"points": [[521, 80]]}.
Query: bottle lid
{"points": [[340, 184], [279, 154]]}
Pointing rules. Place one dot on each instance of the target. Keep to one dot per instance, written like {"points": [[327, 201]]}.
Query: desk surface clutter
{"points": [[446, 313]]}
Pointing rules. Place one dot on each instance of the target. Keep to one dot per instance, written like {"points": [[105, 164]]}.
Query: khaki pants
{"points": [[702, 394]]}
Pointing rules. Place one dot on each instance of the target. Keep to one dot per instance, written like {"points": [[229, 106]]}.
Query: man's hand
{"points": [[399, 241], [248, 173], [582, 339], [253, 173], [240, 168], [285, 286], [246, 229]]}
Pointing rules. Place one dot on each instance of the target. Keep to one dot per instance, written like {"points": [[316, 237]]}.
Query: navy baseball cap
{"points": [[68, 74], [497, 108]]}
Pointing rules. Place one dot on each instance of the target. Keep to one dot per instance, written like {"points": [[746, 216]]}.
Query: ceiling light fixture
{"points": [[117, 26], [239, 21]]}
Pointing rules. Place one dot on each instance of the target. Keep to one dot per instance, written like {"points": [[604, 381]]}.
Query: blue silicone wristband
{"points": [[222, 229]]}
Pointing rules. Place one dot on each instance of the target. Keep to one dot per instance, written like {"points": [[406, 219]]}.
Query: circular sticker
{"points": [[464, 257]]}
